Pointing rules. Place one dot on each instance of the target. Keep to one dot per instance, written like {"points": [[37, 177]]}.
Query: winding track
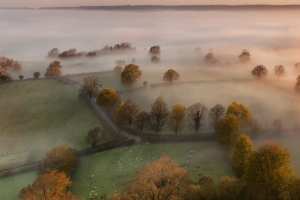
{"points": [[100, 111]]}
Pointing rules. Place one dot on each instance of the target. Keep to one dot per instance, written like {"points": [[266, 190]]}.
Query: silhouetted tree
{"points": [[127, 112], [95, 135], [54, 69], [245, 56], [155, 49], [196, 114], [215, 114], [209, 57], [21, 77], [259, 71], [36, 74], [131, 74], [145, 83], [141, 120], [54, 52], [279, 71], [158, 115], [155, 59], [90, 87], [171, 75]]}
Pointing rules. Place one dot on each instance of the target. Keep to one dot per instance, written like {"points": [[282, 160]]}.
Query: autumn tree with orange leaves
{"points": [[53, 185], [159, 180], [61, 159]]}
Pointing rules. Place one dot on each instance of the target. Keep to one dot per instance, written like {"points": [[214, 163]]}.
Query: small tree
{"points": [[130, 75], [61, 159], [210, 58], [108, 98], [53, 185], [243, 149], [279, 71], [158, 115], [245, 56], [155, 50], [36, 74], [90, 87], [145, 83], [21, 77], [215, 114], [155, 59], [259, 72], [158, 180], [177, 118], [95, 135], [227, 129], [141, 120], [54, 69], [196, 114], [54, 52], [171, 75]]}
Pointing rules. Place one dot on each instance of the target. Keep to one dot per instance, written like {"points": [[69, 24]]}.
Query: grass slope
{"points": [[40, 114], [107, 172]]}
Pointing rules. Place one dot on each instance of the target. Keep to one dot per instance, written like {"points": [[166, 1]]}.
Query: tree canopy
{"points": [[54, 69], [127, 112], [279, 71], [227, 129], [131, 74], [95, 135], [109, 98], [158, 115], [142, 120], [196, 115], [245, 56], [171, 75], [241, 112], [259, 72]]}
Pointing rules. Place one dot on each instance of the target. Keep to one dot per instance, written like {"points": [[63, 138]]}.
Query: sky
{"points": [[71, 3]]}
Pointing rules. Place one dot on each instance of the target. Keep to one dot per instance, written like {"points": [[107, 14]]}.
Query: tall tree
{"points": [[227, 129], [158, 115], [269, 173], [241, 112], [54, 69], [243, 149], [141, 121], [279, 71], [109, 98], [196, 114], [90, 87], [158, 180], [176, 120], [131, 74], [215, 114], [127, 112], [53, 185], [171, 75], [259, 72], [61, 159], [95, 135]]}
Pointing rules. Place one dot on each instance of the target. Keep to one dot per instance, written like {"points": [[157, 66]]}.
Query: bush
{"points": [[36, 74]]}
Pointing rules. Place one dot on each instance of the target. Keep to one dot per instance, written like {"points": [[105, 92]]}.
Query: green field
{"points": [[116, 167], [40, 114]]}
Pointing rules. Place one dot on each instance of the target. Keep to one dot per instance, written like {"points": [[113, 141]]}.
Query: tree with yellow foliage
{"points": [[241, 112], [177, 118], [53, 185], [269, 173], [61, 159], [108, 98], [130, 75], [243, 149], [227, 129], [159, 180]]}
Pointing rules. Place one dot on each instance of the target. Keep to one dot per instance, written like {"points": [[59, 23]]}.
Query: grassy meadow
{"points": [[40, 114], [107, 172]]}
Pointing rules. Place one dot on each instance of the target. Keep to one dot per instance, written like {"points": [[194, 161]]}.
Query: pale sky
{"points": [[71, 3]]}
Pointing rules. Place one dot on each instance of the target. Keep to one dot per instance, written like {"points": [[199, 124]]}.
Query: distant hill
{"points": [[183, 7]]}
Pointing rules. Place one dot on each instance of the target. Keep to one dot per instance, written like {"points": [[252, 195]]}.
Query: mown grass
{"points": [[40, 114], [109, 171]]}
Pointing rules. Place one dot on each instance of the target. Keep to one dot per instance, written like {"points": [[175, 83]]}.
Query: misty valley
{"points": [[149, 104]]}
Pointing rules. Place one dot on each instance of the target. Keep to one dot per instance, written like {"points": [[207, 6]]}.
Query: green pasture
{"points": [[40, 114], [107, 172], [15, 159]]}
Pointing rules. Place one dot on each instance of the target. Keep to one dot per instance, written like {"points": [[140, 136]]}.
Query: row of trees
{"points": [[261, 71]]}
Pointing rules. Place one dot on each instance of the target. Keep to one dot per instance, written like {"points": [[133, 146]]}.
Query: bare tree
{"points": [[141, 120], [90, 86], [215, 115], [131, 109], [171, 75], [279, 71], [95, 135], [196, 114], [158, 115]]}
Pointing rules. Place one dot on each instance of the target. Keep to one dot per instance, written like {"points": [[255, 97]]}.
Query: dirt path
{"points": [[100, 111]]}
